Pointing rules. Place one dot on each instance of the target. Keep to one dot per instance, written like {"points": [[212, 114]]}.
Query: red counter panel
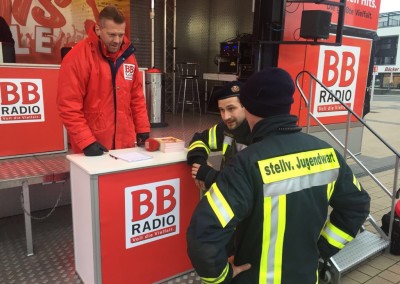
{"points": [[144, 215], [29, 121]]}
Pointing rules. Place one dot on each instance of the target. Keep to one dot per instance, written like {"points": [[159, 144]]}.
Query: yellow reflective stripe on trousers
{"points": [[356, 183], [199, 144], [219, 279], [212, 137], [219, 205], [335, 236], [273, 239]]}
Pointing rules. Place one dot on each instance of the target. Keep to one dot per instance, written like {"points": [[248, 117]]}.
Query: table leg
{"points": [[28, 221]]}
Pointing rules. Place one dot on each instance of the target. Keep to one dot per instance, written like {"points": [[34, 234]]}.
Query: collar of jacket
{"points": [[242, 134], [126, 47], [285, 123]]}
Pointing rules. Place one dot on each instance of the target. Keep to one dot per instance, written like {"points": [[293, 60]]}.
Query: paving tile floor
{"points": [[384, 119]]}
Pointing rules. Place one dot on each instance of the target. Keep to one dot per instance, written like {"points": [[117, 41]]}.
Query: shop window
{"points": [[386, 53]]}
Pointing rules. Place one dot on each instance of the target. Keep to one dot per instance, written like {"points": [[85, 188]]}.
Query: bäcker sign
{"points": [[151, 212], [21, 101]]}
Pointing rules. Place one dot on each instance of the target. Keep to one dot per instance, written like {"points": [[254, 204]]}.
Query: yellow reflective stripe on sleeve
{"points": [[219, 279], [298, 164], [273, 238], [329, 189], [199, 144], [212, 137], [335, 236], [356, 183], [219, 205]]}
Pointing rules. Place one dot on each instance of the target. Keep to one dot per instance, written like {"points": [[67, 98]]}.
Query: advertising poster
{"points": [[41, 28], [144, 215], [342, 69], [29, 122]]}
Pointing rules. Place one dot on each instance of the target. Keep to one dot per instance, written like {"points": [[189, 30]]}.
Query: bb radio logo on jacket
{"points": [[21, 101], [151, 212], [129, 70]]}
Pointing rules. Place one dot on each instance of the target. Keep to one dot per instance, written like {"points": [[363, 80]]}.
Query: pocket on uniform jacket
{"points": [[130, 127], [96, 121]]}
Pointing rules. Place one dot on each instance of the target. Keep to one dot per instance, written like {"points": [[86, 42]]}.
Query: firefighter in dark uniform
{"points": [[274, 195], [231, 135]]}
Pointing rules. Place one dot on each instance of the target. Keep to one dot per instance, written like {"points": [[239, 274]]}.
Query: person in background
{"points": [[229, 136], [100, 96], [274, 196], [5, 32]]}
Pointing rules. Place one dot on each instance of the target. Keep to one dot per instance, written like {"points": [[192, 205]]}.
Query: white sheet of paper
{"points": [[131, 156]]}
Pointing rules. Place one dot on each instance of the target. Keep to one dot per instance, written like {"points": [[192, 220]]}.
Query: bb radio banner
{"points": [[144, 214], [342, 69], [151, 212], [29, 120], [21, 100], [338, 68]]}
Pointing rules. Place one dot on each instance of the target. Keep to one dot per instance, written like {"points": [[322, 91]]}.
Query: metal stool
{"points": [[187, 71]]}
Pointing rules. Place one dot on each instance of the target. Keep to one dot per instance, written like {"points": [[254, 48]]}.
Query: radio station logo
{"points": [[151, 212], [21, 101], [338, 68], [129, 70]]}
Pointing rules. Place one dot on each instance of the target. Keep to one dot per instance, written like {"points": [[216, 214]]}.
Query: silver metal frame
{"points": [[369, 243]]}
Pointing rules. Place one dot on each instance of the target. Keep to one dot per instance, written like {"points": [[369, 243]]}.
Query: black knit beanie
{"points": [[268, 92]]}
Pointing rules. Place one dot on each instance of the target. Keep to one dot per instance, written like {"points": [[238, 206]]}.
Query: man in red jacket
{"points": [[100, 96]]}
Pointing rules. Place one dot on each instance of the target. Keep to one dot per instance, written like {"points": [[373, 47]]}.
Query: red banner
{"points": [[41, 28], [29, 120], [144, 214]]}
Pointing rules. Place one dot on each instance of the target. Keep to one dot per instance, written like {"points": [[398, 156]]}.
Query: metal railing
{"points": [[344, 146]]}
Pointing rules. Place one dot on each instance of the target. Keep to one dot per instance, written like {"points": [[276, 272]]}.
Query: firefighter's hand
{"points": [[195, 169], [200, 184], [238, 269]]}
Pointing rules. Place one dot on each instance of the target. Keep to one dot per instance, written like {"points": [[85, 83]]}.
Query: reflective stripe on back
{"points": [[273, 238], [298, 183]]}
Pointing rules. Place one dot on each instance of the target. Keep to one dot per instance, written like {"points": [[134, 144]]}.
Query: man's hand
{"points": [[141, 138], [195, 169], [200, 184], [238, 269], [95, 149]]}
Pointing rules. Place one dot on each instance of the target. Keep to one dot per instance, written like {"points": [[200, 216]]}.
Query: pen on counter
{"points": [[112, 156]]}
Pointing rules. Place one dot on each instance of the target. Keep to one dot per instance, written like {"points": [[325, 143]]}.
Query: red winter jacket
{"points": [[90, 107]]}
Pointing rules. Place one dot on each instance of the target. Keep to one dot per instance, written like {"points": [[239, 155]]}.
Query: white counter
{"points": [[106, 164]]}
